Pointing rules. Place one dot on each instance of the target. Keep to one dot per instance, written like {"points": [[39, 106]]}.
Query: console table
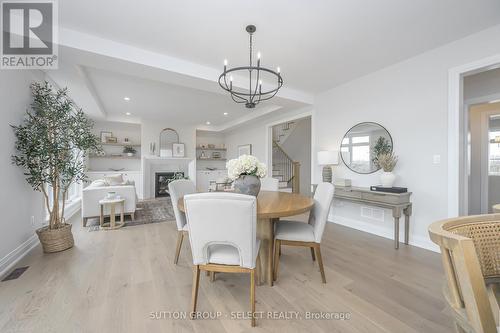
{"points": [[399, 203]]}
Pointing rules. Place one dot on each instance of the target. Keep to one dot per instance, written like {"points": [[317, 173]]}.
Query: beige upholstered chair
{"points": [[470, 248], [177, 189], [309, 235], [223, 236]]}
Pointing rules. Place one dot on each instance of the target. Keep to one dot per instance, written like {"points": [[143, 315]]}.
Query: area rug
{"points": [[148, 211]]}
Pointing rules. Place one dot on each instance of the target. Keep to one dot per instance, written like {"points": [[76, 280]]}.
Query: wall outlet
{"points": [[32, 220], [436, 159]]}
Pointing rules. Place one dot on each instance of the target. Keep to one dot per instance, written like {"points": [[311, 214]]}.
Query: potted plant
{"points": [[388, 162], [246, 172], [129, 151], [51, 144]]}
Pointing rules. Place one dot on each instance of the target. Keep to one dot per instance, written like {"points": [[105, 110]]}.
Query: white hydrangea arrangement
{"points": [[245, 165]]}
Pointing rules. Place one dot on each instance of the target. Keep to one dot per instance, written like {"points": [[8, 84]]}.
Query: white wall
{"points": [[256, 133], [151, 133], [298, 147], [18, 202], [410, 99]]}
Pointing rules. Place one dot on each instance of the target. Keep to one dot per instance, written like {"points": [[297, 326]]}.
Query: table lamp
{"points": [[327, 158]]}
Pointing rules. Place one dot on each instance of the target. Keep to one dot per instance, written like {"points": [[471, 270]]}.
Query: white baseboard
{"points": [[414, 240], [11, 259]]}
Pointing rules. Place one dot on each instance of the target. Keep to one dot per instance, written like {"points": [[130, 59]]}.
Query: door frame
{"points": [[457, 132]]}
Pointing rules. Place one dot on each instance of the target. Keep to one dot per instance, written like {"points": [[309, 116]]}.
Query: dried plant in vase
{"points": [[387, 162]]}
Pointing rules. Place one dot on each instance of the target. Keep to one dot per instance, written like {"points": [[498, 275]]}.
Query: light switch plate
{"points": [[436, 159]]}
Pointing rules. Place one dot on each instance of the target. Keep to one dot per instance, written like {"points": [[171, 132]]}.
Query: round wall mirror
{"points": [[362, 144]]}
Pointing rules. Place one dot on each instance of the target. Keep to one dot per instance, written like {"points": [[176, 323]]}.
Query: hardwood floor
{"points": [[116, 281]]}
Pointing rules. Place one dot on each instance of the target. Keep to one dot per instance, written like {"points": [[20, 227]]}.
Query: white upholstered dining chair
{"points": [[309, 234], [269, 184], [223, 236], [178, 189]]}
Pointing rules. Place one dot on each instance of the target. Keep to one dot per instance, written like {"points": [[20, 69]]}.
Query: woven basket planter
{"points": [[56, 240]]}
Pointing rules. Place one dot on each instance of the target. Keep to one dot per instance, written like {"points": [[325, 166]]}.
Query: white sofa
{"points": [[97, 191]]}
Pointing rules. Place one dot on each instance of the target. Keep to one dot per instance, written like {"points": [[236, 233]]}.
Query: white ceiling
{"points": [[150, 99], [318, 44]]}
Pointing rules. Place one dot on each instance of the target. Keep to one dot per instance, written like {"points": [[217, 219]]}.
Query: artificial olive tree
{"points": [[51, 143]]}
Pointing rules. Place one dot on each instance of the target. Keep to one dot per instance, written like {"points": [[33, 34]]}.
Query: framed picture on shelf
{"points": [[245, 149], [111, 139], [178, 149], [105, 136]]}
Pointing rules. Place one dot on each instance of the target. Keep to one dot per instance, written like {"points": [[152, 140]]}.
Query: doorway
{"points": [[484, 158], [290, 154]]}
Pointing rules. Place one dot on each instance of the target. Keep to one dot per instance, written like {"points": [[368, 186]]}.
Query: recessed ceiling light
{"points": [[225, 113], [126, 98], [128, 113], [208, 123]]}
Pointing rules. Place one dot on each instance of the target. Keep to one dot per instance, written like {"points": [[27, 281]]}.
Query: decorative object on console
{"points": [[178, 149], [389, 189], [327, 158], [256, 93], [341, 182], [382, 146], [105, 136], [54, 121], [387, 162], [360, 145], [246, 172], [129, 151], [168, 136], [152, 148], [111, 139], [216, 154], [245, 149]]}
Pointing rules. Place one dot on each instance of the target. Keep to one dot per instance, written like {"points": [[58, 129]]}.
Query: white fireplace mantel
{"points": [[154, 164]]}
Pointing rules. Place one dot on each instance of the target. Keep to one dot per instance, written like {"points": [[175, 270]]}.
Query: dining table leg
{"points": [[265, 232]]}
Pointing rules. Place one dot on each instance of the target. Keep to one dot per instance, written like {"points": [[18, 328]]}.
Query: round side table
{"points": [[112, 203]]}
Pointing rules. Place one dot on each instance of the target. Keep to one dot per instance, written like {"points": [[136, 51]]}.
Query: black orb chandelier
{"points": [[255, 93]]}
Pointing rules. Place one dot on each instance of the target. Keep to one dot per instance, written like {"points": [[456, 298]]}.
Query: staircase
{"points": [[286, 170]]}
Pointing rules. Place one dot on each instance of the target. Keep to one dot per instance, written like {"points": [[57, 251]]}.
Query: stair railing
{"points": [[290, 169]]}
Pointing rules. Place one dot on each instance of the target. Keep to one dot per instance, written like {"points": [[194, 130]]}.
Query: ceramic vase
{"points": [[246, 184], [387, 179]]}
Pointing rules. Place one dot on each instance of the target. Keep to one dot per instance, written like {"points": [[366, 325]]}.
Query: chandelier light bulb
{"points": [[225, 62], [231, 78], [278, 69], [258, 55], [260, 82]]}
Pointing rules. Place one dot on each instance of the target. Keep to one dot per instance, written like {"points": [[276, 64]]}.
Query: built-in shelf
{"points": [[211, 159], [121, 144], [221, 149], [118, 157]]}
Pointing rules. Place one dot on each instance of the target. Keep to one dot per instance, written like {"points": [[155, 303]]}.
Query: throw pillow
{"points": [[114, 180]]}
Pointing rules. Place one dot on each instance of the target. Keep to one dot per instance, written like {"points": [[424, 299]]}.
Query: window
{"points": [[494, 153]]}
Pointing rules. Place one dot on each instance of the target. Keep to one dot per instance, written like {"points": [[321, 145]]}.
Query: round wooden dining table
{"points": [[271, 206]]}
